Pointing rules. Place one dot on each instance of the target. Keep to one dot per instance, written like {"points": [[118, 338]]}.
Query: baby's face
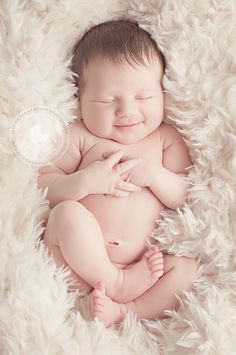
{"points": [[122, 103]]}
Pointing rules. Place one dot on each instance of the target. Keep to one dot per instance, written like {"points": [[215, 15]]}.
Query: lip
{"points": [[127, 126]]}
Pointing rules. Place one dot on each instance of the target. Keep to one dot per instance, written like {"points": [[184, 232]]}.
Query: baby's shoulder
{"points": [[168, 134], [82, 138]]}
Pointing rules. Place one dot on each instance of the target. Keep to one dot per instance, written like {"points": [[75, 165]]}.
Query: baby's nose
{"points": [[126, 110]]}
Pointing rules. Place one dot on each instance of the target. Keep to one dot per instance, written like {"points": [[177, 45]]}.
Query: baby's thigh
{"points": [[71, 217]]}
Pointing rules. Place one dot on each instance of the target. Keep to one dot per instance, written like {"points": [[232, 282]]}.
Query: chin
{"points": [[128, 140]]}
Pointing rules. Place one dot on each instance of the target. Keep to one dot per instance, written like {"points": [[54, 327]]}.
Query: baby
{"points": [[122, 168]]}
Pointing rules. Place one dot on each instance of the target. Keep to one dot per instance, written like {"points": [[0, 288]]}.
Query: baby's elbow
{"points": [[183, 195], [175, 206]]}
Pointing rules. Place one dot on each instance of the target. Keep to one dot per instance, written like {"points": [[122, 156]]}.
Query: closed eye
{"points": [[111, 101], [144, 98], [103, 102]]}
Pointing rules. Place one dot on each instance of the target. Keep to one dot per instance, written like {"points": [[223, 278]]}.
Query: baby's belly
{"points": [[125, 222]]}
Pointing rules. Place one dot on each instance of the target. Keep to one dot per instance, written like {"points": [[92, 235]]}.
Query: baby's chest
{"points": [[149, 149]]}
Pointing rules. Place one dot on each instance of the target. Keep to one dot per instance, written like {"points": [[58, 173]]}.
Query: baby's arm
{"points": [[100, 177], [169, 182], [62, 179]]}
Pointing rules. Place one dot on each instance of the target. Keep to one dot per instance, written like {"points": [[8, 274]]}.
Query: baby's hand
{"points": [[141, 174], [105, 177]]}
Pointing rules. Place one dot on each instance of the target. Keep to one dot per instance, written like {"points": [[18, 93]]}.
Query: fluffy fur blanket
{"points": [[37, 315]]}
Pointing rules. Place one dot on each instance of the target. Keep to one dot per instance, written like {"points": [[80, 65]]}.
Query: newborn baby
{"points": [[122, 168]]}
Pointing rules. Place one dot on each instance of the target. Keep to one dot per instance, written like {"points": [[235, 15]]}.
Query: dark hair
{"points": [[115, 40]]}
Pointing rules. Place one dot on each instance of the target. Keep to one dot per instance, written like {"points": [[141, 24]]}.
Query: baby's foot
{"points": [[103, 308], [140, 277]]}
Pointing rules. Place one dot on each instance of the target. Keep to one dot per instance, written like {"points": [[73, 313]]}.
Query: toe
{"points": [[151, 251], [155, 248], [97, 293], [98, 301], [101, 286], [98, 308], [158, 273], [156, 262], [148, 254], [157, 268], [156, 256]]}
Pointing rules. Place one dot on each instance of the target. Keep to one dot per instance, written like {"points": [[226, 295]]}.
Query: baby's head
{"points": [[120, 81]]}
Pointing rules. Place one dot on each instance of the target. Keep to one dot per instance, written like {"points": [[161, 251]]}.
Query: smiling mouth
{"points": [[127, 126]]}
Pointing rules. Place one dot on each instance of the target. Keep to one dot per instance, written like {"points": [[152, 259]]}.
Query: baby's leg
{"points": [[180, 272], [74, 236], [179, 275]]}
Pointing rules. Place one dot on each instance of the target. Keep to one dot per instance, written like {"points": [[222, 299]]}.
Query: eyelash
{"points": [[145, 98], [109, 102]]}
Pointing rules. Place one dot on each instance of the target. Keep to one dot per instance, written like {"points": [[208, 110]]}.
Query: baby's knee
{"points": [[65, 210]]}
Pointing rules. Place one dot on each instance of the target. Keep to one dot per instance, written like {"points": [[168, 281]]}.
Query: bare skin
{"points": [[122, 280], [102, 236], [177, 276]]}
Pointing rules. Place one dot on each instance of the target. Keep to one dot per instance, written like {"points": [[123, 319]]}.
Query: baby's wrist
{"points": [[82, 182], [151, 173]]}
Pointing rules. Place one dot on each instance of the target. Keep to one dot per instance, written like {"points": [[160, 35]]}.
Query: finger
{"points": [[125, 176], [127, 165], [127, 186], [115, 158], [107, 154]]}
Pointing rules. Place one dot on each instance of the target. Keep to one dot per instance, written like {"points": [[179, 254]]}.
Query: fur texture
{"points": [[37, 315]]}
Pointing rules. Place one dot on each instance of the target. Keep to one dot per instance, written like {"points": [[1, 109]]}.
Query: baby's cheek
{"points": [[105, 128], [157, 118]]}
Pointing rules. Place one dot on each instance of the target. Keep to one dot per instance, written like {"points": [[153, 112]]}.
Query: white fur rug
{"points": [[37, 315]]}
